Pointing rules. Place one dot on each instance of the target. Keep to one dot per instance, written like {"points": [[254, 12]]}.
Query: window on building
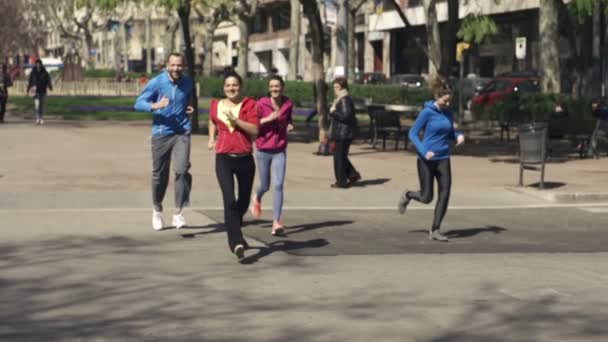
{"points": [[260, 22], [388, 5], [360, 19], [281, 18]]}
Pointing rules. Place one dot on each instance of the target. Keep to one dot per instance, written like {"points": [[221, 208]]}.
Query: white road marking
{"points": [[596, 210], [590, 207]]}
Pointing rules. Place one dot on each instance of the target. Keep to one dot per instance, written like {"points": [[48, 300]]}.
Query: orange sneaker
{"points": [[256, 207]]}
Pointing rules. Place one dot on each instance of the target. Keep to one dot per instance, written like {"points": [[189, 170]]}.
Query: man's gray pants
{"points": [[163, 149]]}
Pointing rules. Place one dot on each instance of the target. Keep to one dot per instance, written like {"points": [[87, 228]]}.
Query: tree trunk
{"points": [[169, 39], [604, 57], [243, 55], [433, 39], [596, 69], [311, 11], [148, 44], [124, 49], [208, 48], [87, 42], [294, 46], [549, 52], [351, 61], [449, 56], [184, 17]]}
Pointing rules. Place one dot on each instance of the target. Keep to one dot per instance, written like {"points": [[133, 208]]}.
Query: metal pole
{"points": [[460, 97]]}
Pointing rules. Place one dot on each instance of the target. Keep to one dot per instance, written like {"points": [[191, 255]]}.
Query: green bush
{"points": [[302, 92], [111, 73], [386, 94], [99, 73], [532, 107]]}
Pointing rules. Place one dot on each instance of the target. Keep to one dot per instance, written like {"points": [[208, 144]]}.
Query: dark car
{"points": [[500, 87], [408, 80], [373, 78]]}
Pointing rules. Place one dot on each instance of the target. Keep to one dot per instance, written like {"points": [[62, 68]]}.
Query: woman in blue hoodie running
{"points": [[437, 122]]}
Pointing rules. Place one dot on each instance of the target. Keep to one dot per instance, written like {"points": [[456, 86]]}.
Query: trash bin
{"points": [[533, 149]]}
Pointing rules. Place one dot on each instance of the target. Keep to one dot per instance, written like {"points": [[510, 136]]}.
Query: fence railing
{"points": [[85, 88]]}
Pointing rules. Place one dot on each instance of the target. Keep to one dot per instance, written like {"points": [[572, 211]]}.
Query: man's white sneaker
{"points": [[157, 220], [179, 221]]}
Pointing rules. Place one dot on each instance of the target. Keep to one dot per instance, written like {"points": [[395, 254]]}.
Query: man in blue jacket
{"points": [[168, 96]]}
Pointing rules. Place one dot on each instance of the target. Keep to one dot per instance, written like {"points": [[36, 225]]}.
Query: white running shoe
{"points": [[157, 220], [179, 221]]}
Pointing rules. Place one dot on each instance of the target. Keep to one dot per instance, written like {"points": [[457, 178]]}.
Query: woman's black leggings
{"points": [[428, 170], [343, 168], [226, 168]]}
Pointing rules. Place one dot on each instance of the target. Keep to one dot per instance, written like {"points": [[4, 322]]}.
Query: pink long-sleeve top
{"points": [[273, 134]]}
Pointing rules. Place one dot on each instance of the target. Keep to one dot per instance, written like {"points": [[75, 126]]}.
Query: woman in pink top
{"points": [[271, 143]]}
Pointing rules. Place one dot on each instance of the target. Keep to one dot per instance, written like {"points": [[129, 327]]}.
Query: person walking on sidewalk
{"points": [[437, 122], [275, 112], [235, 121], [5, 82], [168, 96], [39, 83], [342, 131], [599, 109]]}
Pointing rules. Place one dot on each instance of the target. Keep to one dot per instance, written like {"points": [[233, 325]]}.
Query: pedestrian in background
{"points": [[39, 83], [275, 112], [342, 130], [599, 110], [5, 83], [433, 163], [235, 121], [168, 96]]}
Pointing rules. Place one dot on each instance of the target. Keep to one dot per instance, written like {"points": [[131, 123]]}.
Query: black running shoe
{"points": [[403, 202]]}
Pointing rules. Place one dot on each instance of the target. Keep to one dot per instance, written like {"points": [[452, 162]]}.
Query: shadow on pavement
{"points": [[467, 232], [366, 182], [282, 246], [209, 229], [312, 226], [548, 185], [524, 319], [464, 233], [121, 289]]}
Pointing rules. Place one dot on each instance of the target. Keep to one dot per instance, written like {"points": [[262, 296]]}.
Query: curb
{"points": [[562, 197]]}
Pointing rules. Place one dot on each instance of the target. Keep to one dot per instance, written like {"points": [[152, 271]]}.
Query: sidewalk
{"points": [[114, 157], [80, 261]]}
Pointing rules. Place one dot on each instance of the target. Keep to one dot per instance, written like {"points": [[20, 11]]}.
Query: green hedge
{"points": [[532, 107], [302, 92], [111, 73], [299, 92]]}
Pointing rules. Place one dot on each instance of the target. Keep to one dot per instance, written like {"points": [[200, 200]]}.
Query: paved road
{"points": [[79, 261], [104, 275]]}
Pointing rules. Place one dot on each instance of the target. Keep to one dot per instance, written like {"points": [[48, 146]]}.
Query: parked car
{"points": [[500, 87], [408, 80], [373, 78]]}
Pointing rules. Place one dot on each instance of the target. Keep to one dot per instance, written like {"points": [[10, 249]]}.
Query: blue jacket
{"points": [[173, 118], [438, 127]]}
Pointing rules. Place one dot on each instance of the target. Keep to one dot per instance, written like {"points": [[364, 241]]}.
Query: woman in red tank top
{"points": [[235, 121]]}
